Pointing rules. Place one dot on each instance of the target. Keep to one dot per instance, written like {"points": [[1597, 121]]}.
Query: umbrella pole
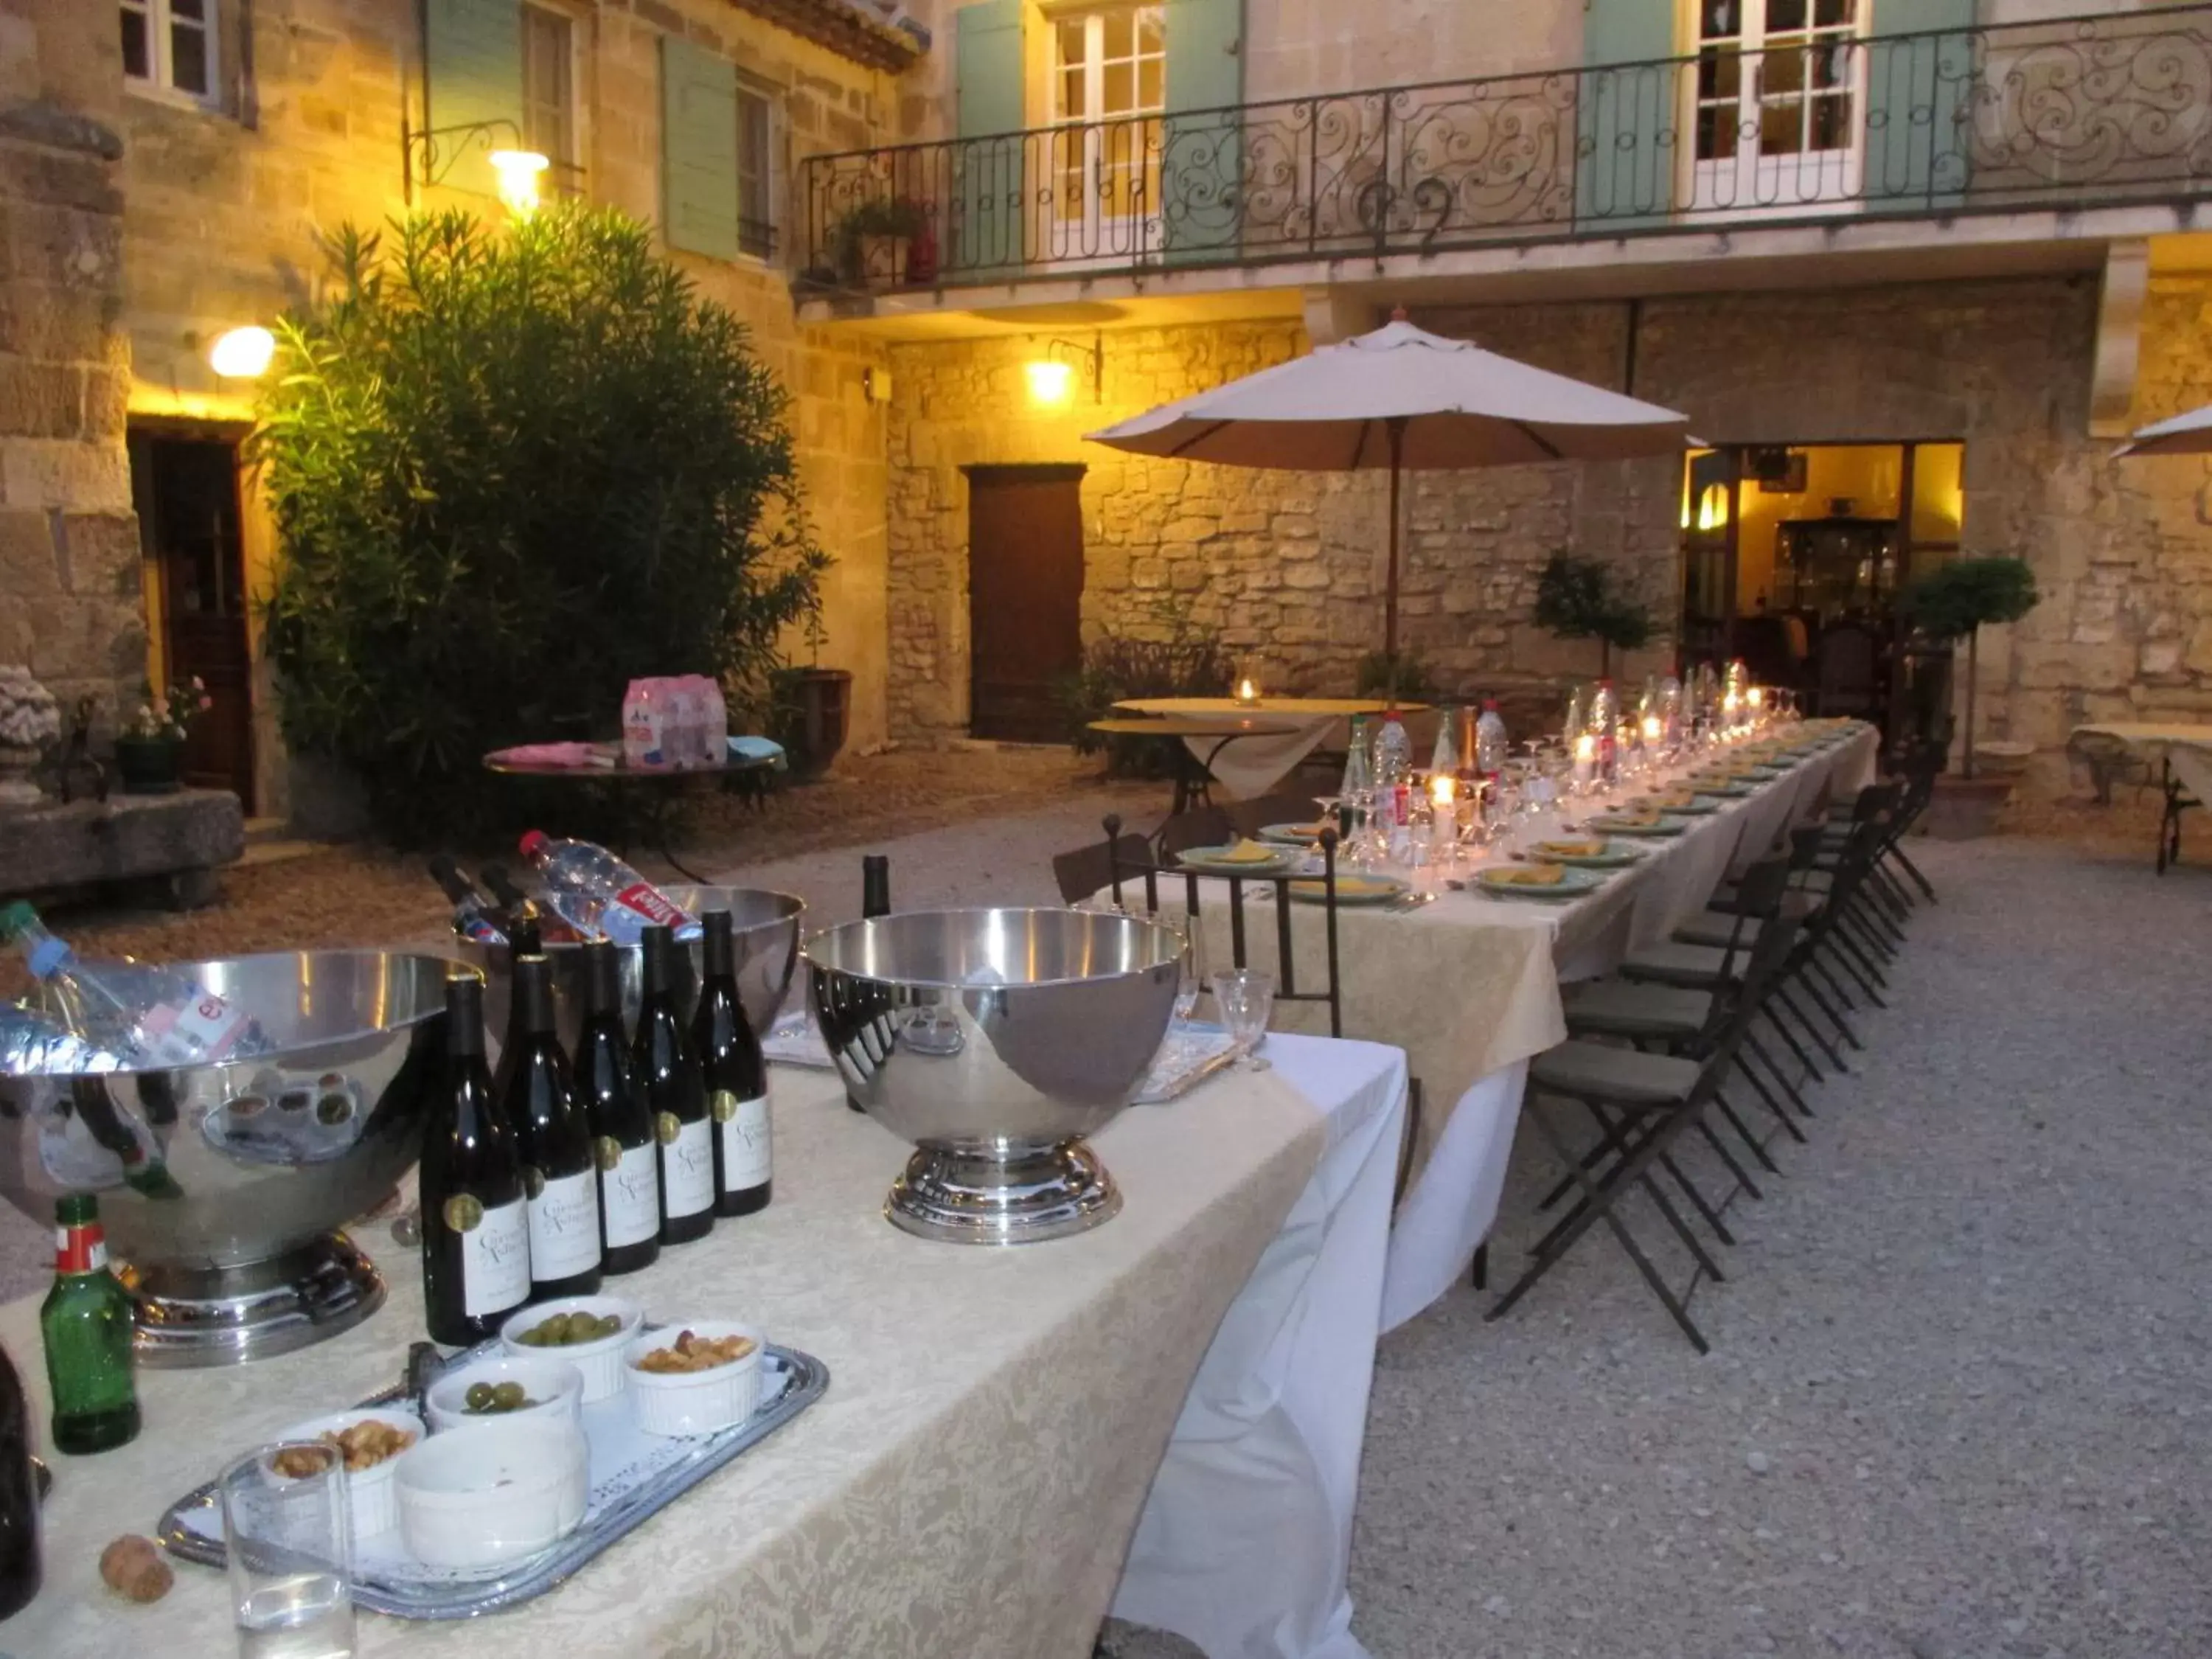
{"points": [[1396, 427]]}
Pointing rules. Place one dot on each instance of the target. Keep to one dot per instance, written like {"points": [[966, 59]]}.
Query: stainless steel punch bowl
{"points": [[996, 1040], [221, 1186]]}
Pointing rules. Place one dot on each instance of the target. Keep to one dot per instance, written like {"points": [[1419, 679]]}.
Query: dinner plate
{"points": [[1571, 884], [1351, 888], [1292, 835], [1725, 792], [1614, 855], [1667, 825], [1698, 804], [1209, 860]]}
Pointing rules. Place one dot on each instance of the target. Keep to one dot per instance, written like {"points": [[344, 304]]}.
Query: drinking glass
{"points": [[1246, 998], [1331, 816], [1190, 968], [289, 1541]]}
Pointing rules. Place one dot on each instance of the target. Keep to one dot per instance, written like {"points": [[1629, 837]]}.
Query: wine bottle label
{"points": [[564, 1226], [642, 898], [494, 1254], [747, 1156], [630, 1191], [205, 1028], [80, 1250], [687, 1156]]}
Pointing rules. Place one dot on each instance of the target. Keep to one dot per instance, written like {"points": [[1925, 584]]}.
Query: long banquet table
{"points": [[1469, 986], [972, 1480]]}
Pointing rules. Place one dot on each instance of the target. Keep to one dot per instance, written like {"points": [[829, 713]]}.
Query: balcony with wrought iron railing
{"points": [[2076, 113]]}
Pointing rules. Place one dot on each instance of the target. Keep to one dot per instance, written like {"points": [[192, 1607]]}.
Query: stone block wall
{"points": [[68, 540], [1291, 567]]}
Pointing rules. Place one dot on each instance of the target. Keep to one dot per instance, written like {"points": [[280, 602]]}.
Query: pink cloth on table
{"points": [[547, 754]]}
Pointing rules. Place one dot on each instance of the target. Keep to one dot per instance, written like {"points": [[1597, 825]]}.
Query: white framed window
{"points": [[171, 45], [1779, 122], [1109, 88], [760, 205], [550, 104]]}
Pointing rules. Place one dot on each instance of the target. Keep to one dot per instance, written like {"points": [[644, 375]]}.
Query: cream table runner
{"points": [[969, 1485]]}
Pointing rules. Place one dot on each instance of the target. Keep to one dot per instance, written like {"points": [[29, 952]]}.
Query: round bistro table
{"points": [[654, 786]]}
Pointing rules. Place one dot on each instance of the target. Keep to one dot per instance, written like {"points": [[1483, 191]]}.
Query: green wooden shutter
{"points": [[991, 207], [1919, 107], [698, 149], [473, 53], [1202, 140], [1628, 148]]}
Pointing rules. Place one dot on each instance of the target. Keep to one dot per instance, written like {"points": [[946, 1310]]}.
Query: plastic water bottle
{"points": [[1490, 741], [598, 894], [1394, 773], [1605, 725], [1358, 775], [151, 1017], [1445, 763], [1578, 720]]}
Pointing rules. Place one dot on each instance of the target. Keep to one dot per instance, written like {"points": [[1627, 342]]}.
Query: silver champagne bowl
{"points": [[766, 928], [221, 1187], [996, 1040]]}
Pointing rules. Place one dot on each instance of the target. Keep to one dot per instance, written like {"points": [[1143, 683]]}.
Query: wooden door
{"points": [[186, 494], [1024, 597]]}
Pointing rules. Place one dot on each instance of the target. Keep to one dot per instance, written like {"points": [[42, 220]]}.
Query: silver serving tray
{"points": [[612, 1510]]}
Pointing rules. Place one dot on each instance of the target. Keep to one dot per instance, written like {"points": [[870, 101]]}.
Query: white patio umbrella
{"points": [[1400, 398], [2185, 435]]}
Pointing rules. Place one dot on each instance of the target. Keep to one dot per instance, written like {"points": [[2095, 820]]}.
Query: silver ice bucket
{"points": [[226, 1233], [996, 1040]]}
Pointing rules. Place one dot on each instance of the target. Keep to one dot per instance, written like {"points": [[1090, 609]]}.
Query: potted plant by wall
{"points": [[150, 749], [1954, 601], [1576, 600], [812, 706], [876, 238]]}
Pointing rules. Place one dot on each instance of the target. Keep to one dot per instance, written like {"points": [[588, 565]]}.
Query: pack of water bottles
{"points": [[675, 722]]}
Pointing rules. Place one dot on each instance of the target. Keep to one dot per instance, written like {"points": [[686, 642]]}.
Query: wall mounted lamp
{"points": [[428, 157], [1052, 377]]}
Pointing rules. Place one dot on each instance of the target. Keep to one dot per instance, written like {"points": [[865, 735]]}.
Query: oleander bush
{"points": [[1174, 655], [511, 468]]}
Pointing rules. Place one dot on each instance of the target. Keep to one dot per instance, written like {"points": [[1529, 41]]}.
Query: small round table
{"points": [[657, 801], [1192, 774]]}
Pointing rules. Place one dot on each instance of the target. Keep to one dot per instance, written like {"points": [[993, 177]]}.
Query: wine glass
{"points": [[1331, 817], [1190, 970], [1246, 998]]}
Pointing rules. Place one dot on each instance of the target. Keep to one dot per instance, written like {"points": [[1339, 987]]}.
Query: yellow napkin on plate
{"points": [[1347, 887], [1571, 849], [1527, 875], [1246, 852], [1678, 799], [1642, 816]]}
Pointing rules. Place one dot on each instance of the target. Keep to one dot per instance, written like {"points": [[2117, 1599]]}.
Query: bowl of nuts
{"points": [[370, 1438], [698, 1377], [588, 1332], [504, 1387]]}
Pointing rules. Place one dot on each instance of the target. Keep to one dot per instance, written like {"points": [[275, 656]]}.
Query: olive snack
{"points": [[489, 1399], [565, 1330]]}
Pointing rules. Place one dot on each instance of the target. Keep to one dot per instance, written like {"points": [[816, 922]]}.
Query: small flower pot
{"points": [[148, 766], [817, 718]]}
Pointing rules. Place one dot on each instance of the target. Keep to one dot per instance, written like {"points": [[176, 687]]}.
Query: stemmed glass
{"points": [[1190, 970], [1331, 817], [1246, 998]]}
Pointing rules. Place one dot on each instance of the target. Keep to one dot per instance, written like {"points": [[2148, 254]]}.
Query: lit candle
{"points": [[1653, 728], [1755, 696], [1440, 790], [1443, 816], [1248, 690], [1585, 757]]}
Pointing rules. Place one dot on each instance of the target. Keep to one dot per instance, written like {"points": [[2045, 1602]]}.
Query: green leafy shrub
{"points": [[511, 470], [1953, 602], [1576, 600], [1177, 657], [1400, 674]]}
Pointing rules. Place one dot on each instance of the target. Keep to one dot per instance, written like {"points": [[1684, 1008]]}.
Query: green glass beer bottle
{"points": [[86, 1324]]}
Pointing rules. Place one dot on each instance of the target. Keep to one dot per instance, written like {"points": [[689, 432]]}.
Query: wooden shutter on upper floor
{"points": [[991, 207], [1919, 104], [1202, 148], [472, 56], [1627, 113], [698, 149]]}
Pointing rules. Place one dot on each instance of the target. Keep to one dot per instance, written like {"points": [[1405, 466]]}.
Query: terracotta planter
{"points": [[1964, 809], [148, 766], [821, 706]]}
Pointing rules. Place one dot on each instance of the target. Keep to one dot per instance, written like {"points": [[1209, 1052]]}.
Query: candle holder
{"points": [[1248, 683]]}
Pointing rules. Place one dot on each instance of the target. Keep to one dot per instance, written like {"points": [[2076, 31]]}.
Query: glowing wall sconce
{"points": [[1051, 378], [242, 354], [1051, 384], [519, 173]]}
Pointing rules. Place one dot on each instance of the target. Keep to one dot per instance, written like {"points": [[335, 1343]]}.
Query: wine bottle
{"points": [[875, 901], [735, 1075], [19, 1498], [621, 1127], [668, 1074], [553, 1137], [475, 1227]]}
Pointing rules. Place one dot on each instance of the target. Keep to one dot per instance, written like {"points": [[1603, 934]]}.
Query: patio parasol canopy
{"points": [[1400, 398], [2185, 435]]}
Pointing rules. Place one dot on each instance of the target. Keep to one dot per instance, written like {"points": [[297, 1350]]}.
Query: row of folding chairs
{"points": [[1717, 1037]]}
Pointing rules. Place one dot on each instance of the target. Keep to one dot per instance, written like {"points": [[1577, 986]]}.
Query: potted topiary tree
{"points": [[1954, 602], [1576, 600]]}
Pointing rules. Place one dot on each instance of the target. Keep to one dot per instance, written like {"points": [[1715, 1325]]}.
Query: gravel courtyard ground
{"points": [[1959, 1404]]}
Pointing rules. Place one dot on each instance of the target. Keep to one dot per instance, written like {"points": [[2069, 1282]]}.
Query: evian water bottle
{"points": [[597, 893]]}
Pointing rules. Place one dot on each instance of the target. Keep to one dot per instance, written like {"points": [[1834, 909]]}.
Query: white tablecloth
{"points": [[1246, 1538], [1453, 1202], [2187, 749]]}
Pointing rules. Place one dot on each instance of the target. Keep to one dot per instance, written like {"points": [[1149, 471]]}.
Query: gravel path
{"points": [[1959, 1404]]}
